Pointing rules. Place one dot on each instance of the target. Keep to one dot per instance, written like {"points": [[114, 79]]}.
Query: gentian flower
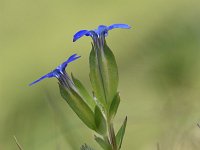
{"points": [[60, 73], [98, 35]]}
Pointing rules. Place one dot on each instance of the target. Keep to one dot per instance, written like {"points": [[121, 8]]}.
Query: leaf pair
{"points": [[84, 106], [100, 122], [119, 138]]}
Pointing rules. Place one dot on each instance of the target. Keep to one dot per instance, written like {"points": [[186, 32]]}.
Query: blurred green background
{"points": [[158, 61]]}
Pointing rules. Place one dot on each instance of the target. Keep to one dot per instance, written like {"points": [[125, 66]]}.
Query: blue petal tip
{"points": [[79, 34]]}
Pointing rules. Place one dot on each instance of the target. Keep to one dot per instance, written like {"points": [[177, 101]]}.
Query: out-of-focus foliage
{"points": [[159, 71]]}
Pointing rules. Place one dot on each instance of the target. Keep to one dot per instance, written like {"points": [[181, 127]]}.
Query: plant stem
{"points": [[111, 133], [19, 146]]}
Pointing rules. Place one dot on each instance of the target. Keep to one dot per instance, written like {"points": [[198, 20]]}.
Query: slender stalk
{"points": [[112, 138], [18, 145]]}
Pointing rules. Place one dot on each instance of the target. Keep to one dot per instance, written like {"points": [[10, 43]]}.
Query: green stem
{"points": [[111, 133]]}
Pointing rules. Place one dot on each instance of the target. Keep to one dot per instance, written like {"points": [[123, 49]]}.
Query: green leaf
{"points": [[114, 106], [100, 121], [84, 93], [120, 134], [103, 74], [96, 79], [110, 73], [104, 144], [78, 105]]}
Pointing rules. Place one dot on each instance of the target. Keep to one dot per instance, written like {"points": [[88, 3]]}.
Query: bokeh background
{"points": [[159, 68]]}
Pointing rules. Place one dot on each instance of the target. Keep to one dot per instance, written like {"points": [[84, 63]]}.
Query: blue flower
{"points": [[60, 73], [100, 32]]}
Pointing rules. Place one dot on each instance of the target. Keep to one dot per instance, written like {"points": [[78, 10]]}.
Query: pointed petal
{"points": [[73, 57], [122, 26], [49, 75], [79, 34], [70, 59]]}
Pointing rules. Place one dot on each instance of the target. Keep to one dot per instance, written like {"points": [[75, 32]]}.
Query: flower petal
{"points": [[79, 34], [122, 26], [70, 59], [101, 29], [49, 75]]}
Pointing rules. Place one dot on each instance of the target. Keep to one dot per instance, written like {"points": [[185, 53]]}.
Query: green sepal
{"points": [[100, 121], [110, 73], [79, 106], [84, 93], [120, 134], [95, 78], [114, 106], [104, 144], [103, 74]]}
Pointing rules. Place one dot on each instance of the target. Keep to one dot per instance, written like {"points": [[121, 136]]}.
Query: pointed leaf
{"points": [[84, 93], [103, 74], [120, 134], [78, 105], [114, 106], [105, 145], [96, 78], [100, 121], [109, 73]]}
